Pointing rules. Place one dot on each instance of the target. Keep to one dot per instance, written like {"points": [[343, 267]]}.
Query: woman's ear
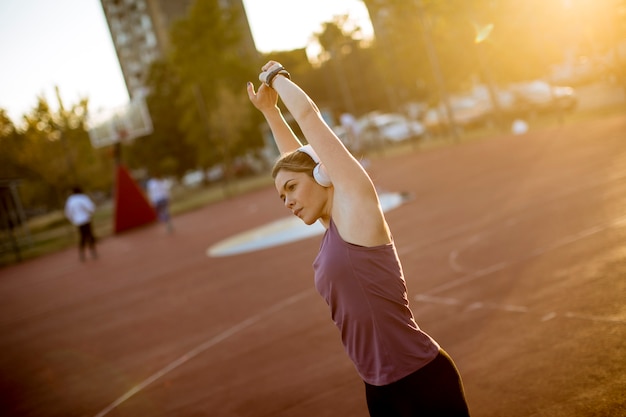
{"points": [[319, 172]]}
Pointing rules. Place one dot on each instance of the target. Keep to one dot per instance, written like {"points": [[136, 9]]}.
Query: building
{"points": [[140, 33]]}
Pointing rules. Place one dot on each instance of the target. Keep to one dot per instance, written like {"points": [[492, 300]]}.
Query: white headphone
{"points": [[319, 172]]}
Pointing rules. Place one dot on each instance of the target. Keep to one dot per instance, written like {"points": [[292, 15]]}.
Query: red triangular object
{"points": [[132, 209]]}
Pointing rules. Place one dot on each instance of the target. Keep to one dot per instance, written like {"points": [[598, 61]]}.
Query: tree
{"points": [[528, 37], [51, 154], [10, 166], [165, 150], [207, 60], [237, 110], [345, 69]]}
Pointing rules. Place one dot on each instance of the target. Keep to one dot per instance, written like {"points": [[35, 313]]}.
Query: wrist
{"points": [[269, 79], [271, 112], [282, 74]]}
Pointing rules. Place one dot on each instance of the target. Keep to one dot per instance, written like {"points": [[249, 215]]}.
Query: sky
{"points": [[66, 43]]}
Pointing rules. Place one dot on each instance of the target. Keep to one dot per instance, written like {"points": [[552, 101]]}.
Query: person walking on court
{"points": [[159, 195], [79, 209], [357, 270]]}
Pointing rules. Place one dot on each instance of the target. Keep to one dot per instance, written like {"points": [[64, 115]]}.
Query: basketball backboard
{"points": [[119, 124]]}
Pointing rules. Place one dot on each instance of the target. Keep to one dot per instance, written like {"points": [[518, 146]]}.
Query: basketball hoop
{"points": [[122, 136], [119, 125]]}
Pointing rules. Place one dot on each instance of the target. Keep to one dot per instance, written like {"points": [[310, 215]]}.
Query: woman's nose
{"points": [[288, 202]]}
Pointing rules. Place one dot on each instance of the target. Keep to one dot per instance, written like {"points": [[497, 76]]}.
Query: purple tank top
{"points": [[366, 292]]}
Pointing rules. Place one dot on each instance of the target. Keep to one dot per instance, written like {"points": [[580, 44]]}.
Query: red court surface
{"points": [[514, 250]]}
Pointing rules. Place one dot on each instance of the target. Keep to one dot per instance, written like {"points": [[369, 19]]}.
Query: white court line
{"points": [[477, 305], [454, 255], [452, 261], [482, 223], [202, 347], [521, 208], [468, 278], [619, 222], [425, 298], [430, 297], [589, 317]]}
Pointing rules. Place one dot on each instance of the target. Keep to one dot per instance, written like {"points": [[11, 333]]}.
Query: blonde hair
{"points": [[295, 161]]}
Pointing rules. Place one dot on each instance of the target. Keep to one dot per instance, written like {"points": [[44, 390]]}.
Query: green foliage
{"points": [[165, 150], [528, 38], [51, 154], [10, 166], [207, 60]]}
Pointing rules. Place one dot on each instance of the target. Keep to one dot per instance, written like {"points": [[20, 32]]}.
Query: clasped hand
{"points": [[267, 69], [265, 98]]}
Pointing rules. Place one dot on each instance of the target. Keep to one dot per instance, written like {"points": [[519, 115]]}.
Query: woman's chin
{"points": [[308, 222]]}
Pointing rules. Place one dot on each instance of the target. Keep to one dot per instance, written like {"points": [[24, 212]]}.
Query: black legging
{"points": [[86, 237], [434, 390]]}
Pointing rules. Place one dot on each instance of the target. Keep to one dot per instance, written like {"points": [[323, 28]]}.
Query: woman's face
{"points": [[302, 195]]}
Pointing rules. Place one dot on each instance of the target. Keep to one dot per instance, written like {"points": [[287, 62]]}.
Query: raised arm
{"points": [[344, 170], [265, 100], [356, 209]]}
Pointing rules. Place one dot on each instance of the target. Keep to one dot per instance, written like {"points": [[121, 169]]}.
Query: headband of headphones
{"points": [[319, 172]]}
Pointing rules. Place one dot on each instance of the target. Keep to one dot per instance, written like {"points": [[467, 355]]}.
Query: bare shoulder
{"points": [[360, 219]]}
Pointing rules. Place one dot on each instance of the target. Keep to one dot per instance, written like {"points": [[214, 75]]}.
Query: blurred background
{"points": [[406, 72]]}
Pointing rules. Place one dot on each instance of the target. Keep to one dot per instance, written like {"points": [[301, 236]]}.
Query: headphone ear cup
{"points": [[319, 172], [321, 176]]}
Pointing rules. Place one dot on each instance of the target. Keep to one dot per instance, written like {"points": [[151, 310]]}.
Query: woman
{"points": [[357, 270]]}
